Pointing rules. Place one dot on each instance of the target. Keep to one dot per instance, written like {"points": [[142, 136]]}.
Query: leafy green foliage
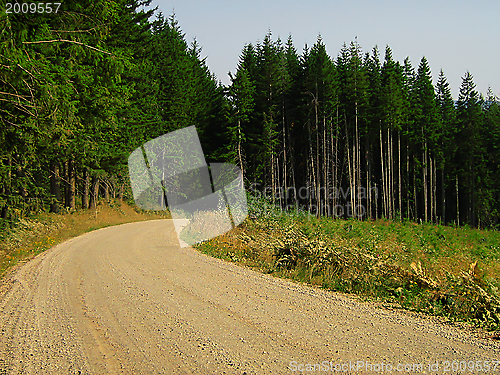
{"points": [[81, 89]]}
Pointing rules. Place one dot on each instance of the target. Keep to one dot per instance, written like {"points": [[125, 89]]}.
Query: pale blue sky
{"points": [[454, 35]]}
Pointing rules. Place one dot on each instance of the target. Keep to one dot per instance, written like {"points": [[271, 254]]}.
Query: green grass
{"points": [[435, 269]]}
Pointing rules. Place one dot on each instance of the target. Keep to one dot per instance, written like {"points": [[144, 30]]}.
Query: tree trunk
{"points": [[407, 185], [350, 166], [458, 202], [7, 188], [55, 188], [20, 174], [399, 178], [271, 160], [94, 193], [473, 194], [292, 171], [357, 167], [415, 197], [325, 164], [335, 170], [331, 192], [384, 205], [424, 171], [369, 213], [318, 174], [70, 184], [283, 139], [431, 185], [434, 191], [85, 194], [106, 189], [120, 192], [390, 178], [443, 197], [240, 157]]}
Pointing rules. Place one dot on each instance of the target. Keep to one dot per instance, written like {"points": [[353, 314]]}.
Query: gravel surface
{"points": [[128, 299]]}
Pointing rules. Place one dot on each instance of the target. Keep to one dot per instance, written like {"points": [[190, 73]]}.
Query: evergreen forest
{"points": [[358, 134]]}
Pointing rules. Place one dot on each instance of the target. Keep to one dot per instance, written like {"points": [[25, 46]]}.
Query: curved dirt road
{"points": [[128, 299]]}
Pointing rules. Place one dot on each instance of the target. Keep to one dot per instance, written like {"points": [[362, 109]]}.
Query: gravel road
{"points": [[127, 299]]}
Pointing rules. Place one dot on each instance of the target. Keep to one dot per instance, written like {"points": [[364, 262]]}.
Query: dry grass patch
{"points": [[434, 269], [31, 236]]}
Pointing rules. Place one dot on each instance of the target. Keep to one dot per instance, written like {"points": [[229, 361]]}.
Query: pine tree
{"points": [[447, 139], [425, 132], [489, 212], [374, 118], [241, 93], [392, 120], [469, 145]]}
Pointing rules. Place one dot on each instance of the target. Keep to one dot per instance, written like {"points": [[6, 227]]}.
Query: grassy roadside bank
{"points": [[33, 235], [439, 270], [430, 268]]}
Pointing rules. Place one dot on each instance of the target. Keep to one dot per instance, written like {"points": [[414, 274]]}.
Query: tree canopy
{"points": [[348, 136]]}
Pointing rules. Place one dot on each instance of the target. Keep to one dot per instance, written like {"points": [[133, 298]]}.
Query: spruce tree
{"points": [[425, 130], [469, 120], [447, 162]]}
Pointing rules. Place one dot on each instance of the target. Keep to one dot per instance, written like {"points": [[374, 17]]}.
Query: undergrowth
{"points": [[430, 268]]}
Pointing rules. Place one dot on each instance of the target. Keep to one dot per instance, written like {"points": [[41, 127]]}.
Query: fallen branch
{"points": [[69, 41]]}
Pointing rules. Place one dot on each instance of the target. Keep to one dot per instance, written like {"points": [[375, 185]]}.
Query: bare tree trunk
{"points": [[443, 197], [326, 161], [292, 171], [308, 164], [65, 181], [368, 180], [384, 204], [335, 171], [86, 186], [431, 185], [113, 186], [357, 166], [415, 198], [7, 188], [20, 174], [106, 189], [318, 173], [285, 163], [407, 186], [240, 157], [424, 166], [274, 185], [458, 202], [351, 178], [70, 184], [120, 192], [333, 166], [435, 191], [434, 200], [390, 182], [399, 178], [55, 189], [94, 193], [473, 194]]}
